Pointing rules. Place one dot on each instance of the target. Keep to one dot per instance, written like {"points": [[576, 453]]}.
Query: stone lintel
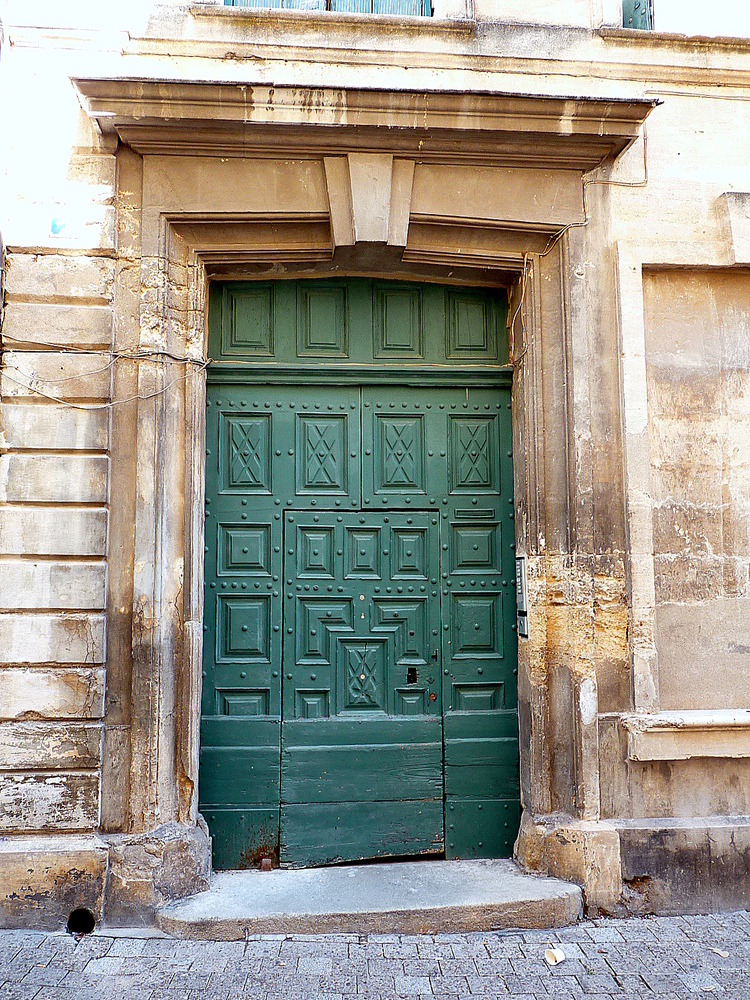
{"points": [[681, 735], [227, 119]]}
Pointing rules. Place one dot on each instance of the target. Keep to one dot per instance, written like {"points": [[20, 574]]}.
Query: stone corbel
{"points": [[682, 735], [735, 206], [370, 198]]}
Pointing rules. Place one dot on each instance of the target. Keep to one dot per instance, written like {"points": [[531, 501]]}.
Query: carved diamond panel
{"points": [[246, 453], [474, 453], [244, 548], [322, 455], [315, 552], [362, 674], [400, 464], [243, 628]]}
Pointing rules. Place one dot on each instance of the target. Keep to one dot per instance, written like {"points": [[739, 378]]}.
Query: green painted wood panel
{"points": [[359, 573], [331, 832], [361, 622]]}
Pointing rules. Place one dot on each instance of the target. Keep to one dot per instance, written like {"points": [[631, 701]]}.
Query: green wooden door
{"points": [[359, 657]]}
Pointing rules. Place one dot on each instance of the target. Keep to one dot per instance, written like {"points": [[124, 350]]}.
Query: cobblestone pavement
{"points": [[648, 957]]}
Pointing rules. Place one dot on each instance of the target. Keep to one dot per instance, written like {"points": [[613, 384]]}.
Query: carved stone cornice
{"points": [[226, 119]]}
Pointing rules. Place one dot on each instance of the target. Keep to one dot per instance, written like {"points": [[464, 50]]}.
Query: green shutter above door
{"points": [[636, 14], [395, 8]]}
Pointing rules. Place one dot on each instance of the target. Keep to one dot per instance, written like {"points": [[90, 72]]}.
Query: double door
{"points": [[359, 690]]}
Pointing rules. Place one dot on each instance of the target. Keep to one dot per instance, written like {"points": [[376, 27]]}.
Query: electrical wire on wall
{"points": [[113, 357]]}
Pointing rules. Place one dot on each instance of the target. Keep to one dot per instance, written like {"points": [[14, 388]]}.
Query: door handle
{"points": [[434, 656]]}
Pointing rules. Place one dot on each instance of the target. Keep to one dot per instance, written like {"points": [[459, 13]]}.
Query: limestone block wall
{"points": [[53, 538]]}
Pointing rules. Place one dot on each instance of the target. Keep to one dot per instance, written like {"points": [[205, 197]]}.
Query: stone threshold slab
{"points": [[412, 897]]}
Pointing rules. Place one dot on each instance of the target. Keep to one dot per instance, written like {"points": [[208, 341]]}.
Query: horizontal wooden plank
{"points": [[51, 693], [482, 768], [43, 531], [321, 832], [53, 478], [53, 428], [481, 725], [233, 731], [241, 838], [481, 828], [39, 585], [52, 638], [59, 801], [58, 374], [236, 776], [362, 773], [351, 732], [52, 275], [50, 746], [57, 325]]}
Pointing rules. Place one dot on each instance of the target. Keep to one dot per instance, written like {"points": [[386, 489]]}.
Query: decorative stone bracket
{"points": [[370, 198], [681, 735]]}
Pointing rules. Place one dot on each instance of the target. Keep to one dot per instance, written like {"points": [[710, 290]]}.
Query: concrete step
{"points": [[411, 897]]}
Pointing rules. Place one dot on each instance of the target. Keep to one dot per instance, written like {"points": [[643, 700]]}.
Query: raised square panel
{"points": [[245, 453], [476, 625], [410, 701], [397, 323], [409, 554], [476, 548], [315, 552], [319, 621], [247, 322], [474, 456], [244, 548], [322, 454], [362, 675], [363, 553], [312, 704], [472, 327], [322, 321], [242, 702], [242, 628], [399, 462], [477, 697]]}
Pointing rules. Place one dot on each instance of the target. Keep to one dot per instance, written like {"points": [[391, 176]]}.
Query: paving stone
{"points": [[657, 958]]}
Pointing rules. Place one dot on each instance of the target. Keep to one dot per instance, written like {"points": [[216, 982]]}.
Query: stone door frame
{"points": [[226, 181]]}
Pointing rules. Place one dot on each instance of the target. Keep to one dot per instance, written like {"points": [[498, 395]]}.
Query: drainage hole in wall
{"points": [[81, 921]]}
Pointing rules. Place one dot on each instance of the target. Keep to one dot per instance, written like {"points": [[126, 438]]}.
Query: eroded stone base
{"points": [[149, 870], [43, 879], [121, 879], [659, 866]]}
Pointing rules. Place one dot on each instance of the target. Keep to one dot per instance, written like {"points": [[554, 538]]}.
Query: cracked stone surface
{"points": [[669, 958]]}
